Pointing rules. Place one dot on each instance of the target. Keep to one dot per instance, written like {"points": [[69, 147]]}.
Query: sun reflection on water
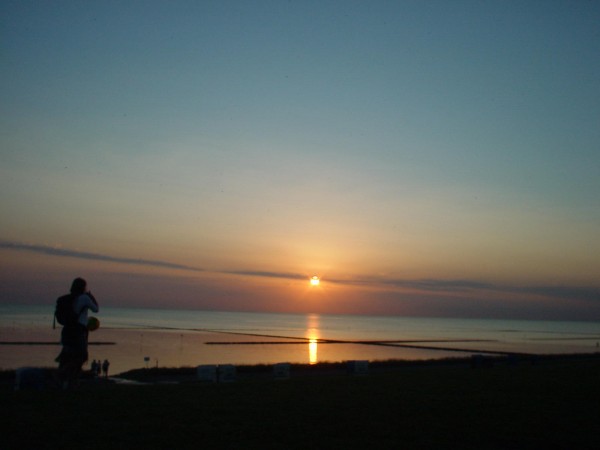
{"points": [[312, 351], [313, 334]]}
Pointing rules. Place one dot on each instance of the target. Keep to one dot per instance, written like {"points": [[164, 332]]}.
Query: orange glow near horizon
{"points": [[315, 281]]}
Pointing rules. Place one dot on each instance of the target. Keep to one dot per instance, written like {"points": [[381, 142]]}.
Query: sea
{"points": [[137, 338]]}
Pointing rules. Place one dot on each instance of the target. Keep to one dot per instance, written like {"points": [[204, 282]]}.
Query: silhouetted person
{"points": [[94, 367], [105, 366], [74, 336]]}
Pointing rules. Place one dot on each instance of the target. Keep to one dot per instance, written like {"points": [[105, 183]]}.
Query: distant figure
{"points": [[105, 366], [74, 335], [94, 367]]}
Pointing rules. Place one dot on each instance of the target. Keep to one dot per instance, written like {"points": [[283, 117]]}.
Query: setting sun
{"points": [[314, 281]]}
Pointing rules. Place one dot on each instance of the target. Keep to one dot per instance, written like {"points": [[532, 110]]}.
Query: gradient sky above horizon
{"points": [[423, 158]]}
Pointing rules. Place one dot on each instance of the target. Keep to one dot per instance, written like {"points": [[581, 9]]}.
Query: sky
{"points": [[423, 158]]}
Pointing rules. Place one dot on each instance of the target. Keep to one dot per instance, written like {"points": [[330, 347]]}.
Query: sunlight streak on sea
{"points": [[133, 338]]}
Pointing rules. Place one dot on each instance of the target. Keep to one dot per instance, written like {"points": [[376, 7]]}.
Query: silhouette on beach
{"points": [[105, 366], [74, 335]]}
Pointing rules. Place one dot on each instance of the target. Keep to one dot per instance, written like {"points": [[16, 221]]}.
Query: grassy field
{"points": [[552, 404]]}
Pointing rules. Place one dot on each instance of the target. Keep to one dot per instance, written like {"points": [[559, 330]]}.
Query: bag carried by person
{"points": [[65, 313]]}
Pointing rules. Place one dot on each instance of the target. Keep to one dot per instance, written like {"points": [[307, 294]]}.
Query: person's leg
{"points": [[68, 374]]}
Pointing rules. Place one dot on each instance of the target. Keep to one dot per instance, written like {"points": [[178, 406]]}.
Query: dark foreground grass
{"points": [[549, 405]]}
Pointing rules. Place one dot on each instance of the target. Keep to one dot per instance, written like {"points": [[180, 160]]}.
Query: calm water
{"points": [[170, 338]]}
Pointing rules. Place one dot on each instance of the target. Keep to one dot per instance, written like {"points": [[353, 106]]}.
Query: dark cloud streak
{"points": [[424, 285], [54, 251], [461, 285], [254, 273]]}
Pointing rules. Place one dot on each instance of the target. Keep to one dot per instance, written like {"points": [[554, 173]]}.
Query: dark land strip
{"points": [[549, 403]]}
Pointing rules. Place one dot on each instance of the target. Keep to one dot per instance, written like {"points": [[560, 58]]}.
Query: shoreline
{"points": [[250, 372], [265, 371]]}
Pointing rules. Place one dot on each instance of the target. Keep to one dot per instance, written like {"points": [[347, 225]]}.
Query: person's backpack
{"points": [[64, 313]]}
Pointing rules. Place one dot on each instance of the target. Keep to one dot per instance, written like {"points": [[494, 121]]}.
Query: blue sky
{"points": [[388, 147]]}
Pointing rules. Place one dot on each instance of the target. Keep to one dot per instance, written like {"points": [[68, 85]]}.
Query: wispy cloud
{"points": [[456, 286], [427, 284], [431, 285], [574, 292], [256, 273], [58, 251]]}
